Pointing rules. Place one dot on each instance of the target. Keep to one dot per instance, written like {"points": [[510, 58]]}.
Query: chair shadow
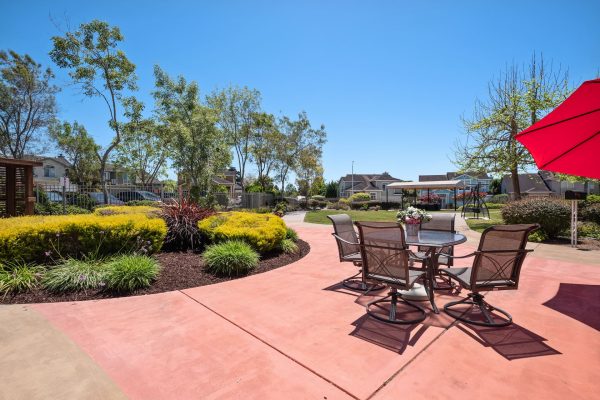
{"points": [[340, 288], [578, 301], [393, 337], [512, 342]]}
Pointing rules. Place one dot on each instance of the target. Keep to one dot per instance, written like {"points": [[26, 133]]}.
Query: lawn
{"points": [[320, 216], [480, 225]]}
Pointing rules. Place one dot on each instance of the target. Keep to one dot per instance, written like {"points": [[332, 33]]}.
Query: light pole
{"points": [[352, 177]]}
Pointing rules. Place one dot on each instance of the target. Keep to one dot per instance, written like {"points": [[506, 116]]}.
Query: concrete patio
{"points": [[294, 333]]}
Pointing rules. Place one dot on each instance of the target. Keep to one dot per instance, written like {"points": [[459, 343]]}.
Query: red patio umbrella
{"points": [[568, 139]]}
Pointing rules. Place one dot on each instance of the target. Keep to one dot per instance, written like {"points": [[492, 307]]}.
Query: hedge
{"points": [[112, 210], [40, 238], [591, 212], [554, 216], [264, 232]]}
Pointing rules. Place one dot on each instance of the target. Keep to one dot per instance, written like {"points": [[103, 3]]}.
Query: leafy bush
{"points": [[498, 199], [264, 232], [57, 209], [289, 246], [149, 203], [338, 206], [591, 213], [315, 203], [360, 197], [81, 200], [494, 206], [230, 258], [593, 199], [291, 234], [182, 223], [36, 238], [538, 236], [18, 277], [390, 205], [128, 273], [588, 229], [344, 200], [112, 210], [318, 197], [280, 208], [554, 216], [73, 275]]}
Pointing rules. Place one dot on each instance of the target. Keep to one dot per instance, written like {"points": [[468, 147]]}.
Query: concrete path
{"points": [[294, 333]]}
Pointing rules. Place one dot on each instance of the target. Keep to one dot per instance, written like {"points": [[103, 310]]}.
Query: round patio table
{"points": [[435, 241]]}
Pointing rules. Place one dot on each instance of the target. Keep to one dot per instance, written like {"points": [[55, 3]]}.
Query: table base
{"points": [[417, 293]]}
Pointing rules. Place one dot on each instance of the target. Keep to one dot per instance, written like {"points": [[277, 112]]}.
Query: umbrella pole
{"points": [[573, 223]]}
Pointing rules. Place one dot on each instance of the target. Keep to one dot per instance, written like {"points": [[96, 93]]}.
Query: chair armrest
{"points": [[344, 240], [465, 256]]}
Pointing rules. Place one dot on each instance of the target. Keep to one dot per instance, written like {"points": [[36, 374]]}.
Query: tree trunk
{"points": [[514, 177]]}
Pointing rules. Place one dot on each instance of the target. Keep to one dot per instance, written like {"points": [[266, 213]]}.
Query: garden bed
{"points": [[180, 270]]}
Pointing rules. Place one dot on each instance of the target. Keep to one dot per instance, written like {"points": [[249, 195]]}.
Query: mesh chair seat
{"points": [[356, 257], [412, 278], [463, 275], [442, 259]]}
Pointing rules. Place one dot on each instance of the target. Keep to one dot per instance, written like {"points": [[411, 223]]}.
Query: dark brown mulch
{"points": [[181, 270], [584, 244]]}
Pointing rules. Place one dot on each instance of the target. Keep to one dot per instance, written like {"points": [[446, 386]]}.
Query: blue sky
{"points": [[389, 79]]}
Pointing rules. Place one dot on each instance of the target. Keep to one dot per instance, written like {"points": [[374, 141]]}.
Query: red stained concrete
{"points": [[293, 333]]}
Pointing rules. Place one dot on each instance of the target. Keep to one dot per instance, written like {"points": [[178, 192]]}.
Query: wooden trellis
{"points": [[16, 187]]}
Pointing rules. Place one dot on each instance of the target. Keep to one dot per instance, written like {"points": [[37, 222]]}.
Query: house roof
{"points": [[60, 159], [452, 175], [365, 182], [443, 184], [529, 183], [220, 181]]}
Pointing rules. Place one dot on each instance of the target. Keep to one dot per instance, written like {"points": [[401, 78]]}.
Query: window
{"points": [[49, 171], [398, 191], [373, 195]]}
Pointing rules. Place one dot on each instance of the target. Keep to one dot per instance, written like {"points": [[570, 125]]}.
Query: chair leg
{"points": [[476, 300], [394, 297], [356, 283]]}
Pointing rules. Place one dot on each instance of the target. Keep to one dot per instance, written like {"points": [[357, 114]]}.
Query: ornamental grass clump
{"points": [[554, 216], [128, 273], [74, 275], [230, 258], [16, 277], [291, 234], [288, 246], [182, 222], [264, 232]]}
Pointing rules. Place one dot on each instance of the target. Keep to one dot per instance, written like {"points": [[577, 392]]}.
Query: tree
{"points": [[290, 190], [495, 186], [332, 189], [199, 150], [265, 136], [79, 149], [518, 99], [27, 103], [297, 138], [101, 70], [144, 146], [235, 107]]}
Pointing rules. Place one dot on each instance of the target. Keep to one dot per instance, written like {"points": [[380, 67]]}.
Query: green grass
{"points": [[480, 225], [320, 217]]}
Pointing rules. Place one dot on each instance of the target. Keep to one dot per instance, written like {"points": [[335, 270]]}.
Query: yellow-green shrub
{"points": [[112, 210], [36, 238], [264, 232]]}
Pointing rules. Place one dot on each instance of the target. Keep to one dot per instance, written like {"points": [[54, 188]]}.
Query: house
{"points": [[469, 179], [51, 169], [373, 184], [228, 179], [546, 184]]}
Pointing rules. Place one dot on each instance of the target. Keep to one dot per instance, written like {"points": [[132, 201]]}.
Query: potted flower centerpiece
{"points": [[412, 218]]}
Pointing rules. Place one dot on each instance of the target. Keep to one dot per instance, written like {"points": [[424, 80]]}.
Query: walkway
{"points": [[293, 333]]}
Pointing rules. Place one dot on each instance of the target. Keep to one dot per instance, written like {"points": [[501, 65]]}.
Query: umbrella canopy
{"points": [[568, 139]]}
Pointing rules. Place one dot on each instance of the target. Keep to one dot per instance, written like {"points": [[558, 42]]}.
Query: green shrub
{"points": [[149, 203], [591, 213], [360, 197], [390, 205], [538, 236], [498, 199], [589, 229], [289, 246], [57, 209], [264, 232], [593, 199], [231, 258], [73, 275], [338, 206], [554, 216], [291, 234], [128, 273], [318, 197], [344, 200], [18, 277], [494, 206], [38, 238]]}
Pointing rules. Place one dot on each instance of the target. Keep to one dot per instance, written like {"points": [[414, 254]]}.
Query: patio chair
{"points": [[349, 251], [440, 222], [385, 257], [496, 266]]}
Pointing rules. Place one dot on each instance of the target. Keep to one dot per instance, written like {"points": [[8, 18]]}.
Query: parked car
{"points": [[137, 195], [98, 197], [54, 197]]}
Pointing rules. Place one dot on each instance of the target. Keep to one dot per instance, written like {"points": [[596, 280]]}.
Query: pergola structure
{"points": [[16, 187], [430, 185]]}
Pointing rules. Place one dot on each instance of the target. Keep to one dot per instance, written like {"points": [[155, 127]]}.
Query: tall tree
{"points": [[235, 107], [199, 150], [298, 138], [79, 149], [517, 99], [27, 103], [101, 69], [265, 136], [145, 145]]}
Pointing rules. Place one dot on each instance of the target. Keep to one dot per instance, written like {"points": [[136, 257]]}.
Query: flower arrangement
{"points": [[413, 216]]}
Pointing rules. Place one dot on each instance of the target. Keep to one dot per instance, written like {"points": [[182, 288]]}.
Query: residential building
{"points": [[546, 184], [373, 184], [51, 170], [469, 179], [227, 179]]}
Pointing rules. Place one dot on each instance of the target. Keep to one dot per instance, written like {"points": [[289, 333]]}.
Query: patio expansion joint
{"points": [[272, 347]]}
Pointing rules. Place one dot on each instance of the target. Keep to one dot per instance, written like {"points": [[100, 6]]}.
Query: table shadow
{"points": [[578, 301], [393, 337]]}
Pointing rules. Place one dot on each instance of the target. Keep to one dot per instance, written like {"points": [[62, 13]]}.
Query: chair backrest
{"points": [[344, 229], [440, 222], [384, 252], [500, 255]]}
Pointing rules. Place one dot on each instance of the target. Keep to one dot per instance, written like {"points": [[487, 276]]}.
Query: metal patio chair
{"points": [[445, 223], [385, 258], [349, 251], [496, 266]]}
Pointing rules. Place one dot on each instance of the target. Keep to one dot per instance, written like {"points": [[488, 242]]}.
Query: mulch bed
{"points": [[180, 270], [583, 244]]}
